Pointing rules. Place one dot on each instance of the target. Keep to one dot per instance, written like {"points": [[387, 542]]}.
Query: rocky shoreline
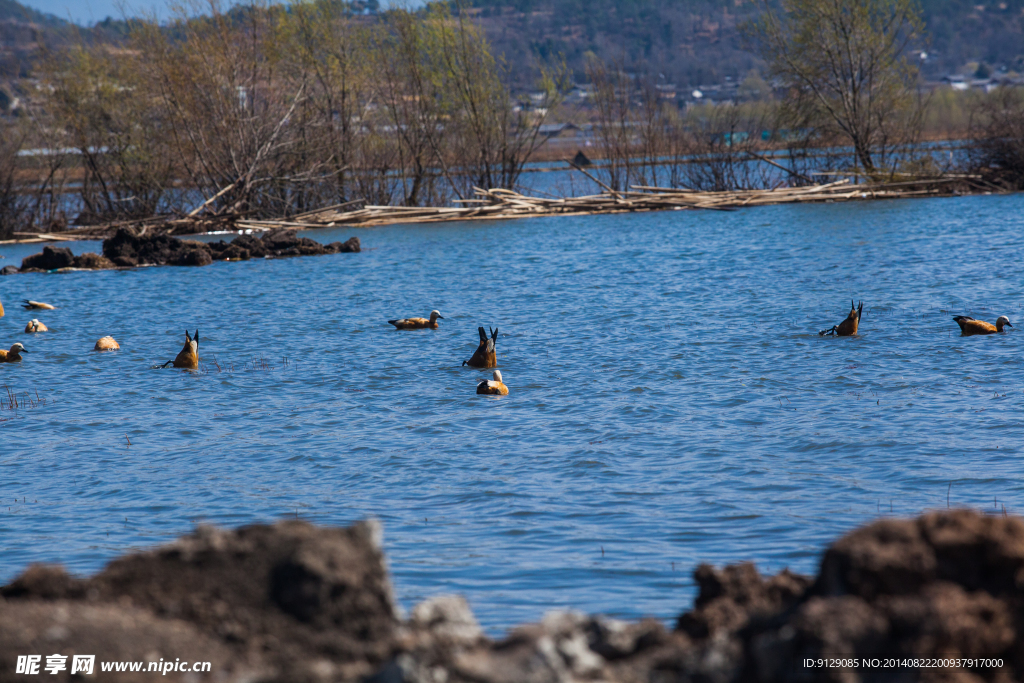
{"points": [[294, 602], [131, 247]]}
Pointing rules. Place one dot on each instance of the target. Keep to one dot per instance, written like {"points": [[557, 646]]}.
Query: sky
{"points": [[85, 12]]}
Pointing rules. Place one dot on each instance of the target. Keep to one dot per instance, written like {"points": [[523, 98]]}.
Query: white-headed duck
{"points": [[188, 357], [848, 327], [109, 344], [36, 305], [36, 326], [493, 386], [418, 323], [14, 355], [969, 326], [484, 356]]}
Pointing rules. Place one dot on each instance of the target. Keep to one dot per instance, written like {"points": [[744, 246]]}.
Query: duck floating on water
{"points": [[969, 325], [188, 357], [484, 356], [493, 386], [109, 344], [418, 323], [35, 326], [14, 354], [36, 305], [848, 327]]}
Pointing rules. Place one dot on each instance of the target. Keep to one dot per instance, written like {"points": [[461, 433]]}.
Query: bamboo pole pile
{"points": [[502, 204]]}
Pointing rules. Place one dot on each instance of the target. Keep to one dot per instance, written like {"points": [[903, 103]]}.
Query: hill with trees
{"points": [[691, 42], [686, 42]]}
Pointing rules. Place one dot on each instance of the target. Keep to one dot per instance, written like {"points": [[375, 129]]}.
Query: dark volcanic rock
{"points": [[234, 253], [351, 245], [942, 585], [222, 251], [127, 248], [285, 598], [288, 243], [93, 261], [8, 270], [254, 245], [729, 597], [51, 259], [110, 633], [192, 256], [291, 602]]}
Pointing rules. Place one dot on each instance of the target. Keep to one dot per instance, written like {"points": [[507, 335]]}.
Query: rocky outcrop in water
{"points": [[50, 259], [292, 602], [129, 248]]}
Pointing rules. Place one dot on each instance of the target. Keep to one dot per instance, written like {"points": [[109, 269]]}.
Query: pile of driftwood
{"points": [[499, 203]]}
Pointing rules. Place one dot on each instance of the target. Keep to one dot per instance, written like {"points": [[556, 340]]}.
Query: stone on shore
{"points": [[129, 249], [293, 602], [51, 258], [93, 261]]}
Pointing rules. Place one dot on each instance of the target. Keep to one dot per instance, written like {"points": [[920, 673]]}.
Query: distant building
{"points": [[560, 130]]}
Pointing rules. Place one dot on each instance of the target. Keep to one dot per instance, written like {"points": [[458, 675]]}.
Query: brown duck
{"points": [[493, 386], [418, 323], [484, 356], [188, 357], [848, 327], [969, 326], [14, 355]]}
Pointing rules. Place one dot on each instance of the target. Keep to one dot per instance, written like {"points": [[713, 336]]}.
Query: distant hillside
{"points": [[698, 41], [686, 42]]}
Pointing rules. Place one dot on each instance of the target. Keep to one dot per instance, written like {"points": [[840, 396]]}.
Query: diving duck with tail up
{"points": [[848, 327]]}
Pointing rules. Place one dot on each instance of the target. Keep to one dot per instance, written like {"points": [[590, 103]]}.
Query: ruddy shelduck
{"points": [[848, 327], [493, 386], [36, 305], [14, 354], [969, 326], [188, 357], [418, 323], [1, 309], [484, 356], [109, 344], [36, 326]]}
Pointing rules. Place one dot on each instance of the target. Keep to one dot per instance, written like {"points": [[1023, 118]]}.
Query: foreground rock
{"points": [[129, 248], [293, 602]]}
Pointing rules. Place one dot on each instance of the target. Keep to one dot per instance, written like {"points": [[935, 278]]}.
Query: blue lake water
{"points": [[671, 401]]}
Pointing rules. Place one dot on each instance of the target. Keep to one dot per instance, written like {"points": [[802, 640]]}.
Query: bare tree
{"points": [[997, 130], [93, 96], [844, 62]]}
